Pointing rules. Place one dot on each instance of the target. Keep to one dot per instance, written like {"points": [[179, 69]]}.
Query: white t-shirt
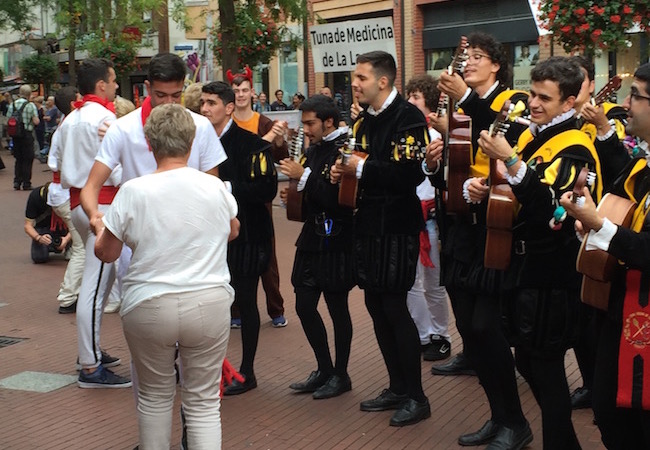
{"points": [[125, 144], [177, 223], [79, 142], [56, 194]]}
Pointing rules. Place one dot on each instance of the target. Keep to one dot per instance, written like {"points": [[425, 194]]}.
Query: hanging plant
{"points": [[587, 25], [122, 50]]}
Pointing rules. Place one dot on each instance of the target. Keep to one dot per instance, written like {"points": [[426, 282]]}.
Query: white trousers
{"points": [[427, 301], [96, 285], [200, 322], [69, 290]]}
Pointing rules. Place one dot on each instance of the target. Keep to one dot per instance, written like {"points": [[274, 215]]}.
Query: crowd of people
{"points": [[169, 206]]}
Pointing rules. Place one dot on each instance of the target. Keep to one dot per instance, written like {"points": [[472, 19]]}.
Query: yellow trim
{"points": [[500, 99], [629, 182]]}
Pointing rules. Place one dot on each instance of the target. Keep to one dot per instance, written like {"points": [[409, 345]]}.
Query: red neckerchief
{"points": [[94, 98], [146, 110]]}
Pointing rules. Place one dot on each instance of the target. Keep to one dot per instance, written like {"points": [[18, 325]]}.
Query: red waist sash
{"points": [[106, 196]]}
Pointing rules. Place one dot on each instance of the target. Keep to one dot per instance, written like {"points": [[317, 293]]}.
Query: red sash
{"points": [[56, 177], [106, 196], [634, 348], [425, 244], [93, 98]]}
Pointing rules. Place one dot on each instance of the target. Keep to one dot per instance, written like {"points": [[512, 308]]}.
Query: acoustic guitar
{"points": [[597, 265], [502, 203], [349, 185], [458, 142], [294, 197]]}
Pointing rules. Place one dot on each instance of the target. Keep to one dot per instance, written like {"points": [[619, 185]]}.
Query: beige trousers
{"points": [[69, 290]]}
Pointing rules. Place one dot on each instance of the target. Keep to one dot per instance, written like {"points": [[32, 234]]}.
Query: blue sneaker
{"points": [[279, 322], [102, 378], [235, 323]]}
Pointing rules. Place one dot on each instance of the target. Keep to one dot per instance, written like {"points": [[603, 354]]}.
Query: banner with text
{"points": [[335, 46]]}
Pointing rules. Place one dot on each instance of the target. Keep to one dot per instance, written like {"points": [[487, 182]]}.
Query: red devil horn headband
{"points": [[248, 75]]}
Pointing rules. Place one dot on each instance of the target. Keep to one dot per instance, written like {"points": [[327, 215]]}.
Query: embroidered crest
{"points": [[636, 330]]}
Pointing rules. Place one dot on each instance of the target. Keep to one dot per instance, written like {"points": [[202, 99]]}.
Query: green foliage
{"points": [[37, 69], [122, 50], [588, 25], [17, 15], [258, 34]]}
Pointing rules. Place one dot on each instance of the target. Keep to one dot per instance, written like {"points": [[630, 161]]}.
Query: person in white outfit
{"points": [[178, 222]]}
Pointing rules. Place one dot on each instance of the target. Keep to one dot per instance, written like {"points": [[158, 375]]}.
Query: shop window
{"points": [[525, 56]]}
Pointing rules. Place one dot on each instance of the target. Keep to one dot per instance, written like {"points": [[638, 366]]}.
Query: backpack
{"points": [[15, 124]]}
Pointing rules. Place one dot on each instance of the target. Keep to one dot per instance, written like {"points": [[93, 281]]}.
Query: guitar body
{"points": [[500, 217], [597, 265], [459, 150], [349, 187], [294, 202]]}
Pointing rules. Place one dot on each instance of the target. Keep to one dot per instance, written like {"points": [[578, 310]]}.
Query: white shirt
{"points": [[425, 190], [56, 194], [177, 223], [125, 144], [79, 143]]}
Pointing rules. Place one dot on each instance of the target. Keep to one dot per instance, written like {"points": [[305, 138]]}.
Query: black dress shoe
{"points": [[315, 380], [460, 365], [487, 432], [581, 398], [70, 309], [16, 186], [410, 413], [384, 401], [334, 387], [511, 438], [236, 388]]}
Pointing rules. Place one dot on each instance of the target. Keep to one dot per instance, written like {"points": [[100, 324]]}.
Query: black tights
{"points": [[246, 300], [547, 380], [312, 323], [398, 341]]}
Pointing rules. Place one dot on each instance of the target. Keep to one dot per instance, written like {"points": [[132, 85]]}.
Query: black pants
{"points": [[586, 345], [312, 323], [478, 319], [246, 300], [547, 380], [398, 341], [620, 428], [24, 154]]}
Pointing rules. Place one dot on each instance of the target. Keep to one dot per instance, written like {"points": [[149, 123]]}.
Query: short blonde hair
{"points": [[192, 97], [170, 131], [123, 106]]}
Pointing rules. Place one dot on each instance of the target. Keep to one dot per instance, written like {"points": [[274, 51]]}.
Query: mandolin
{"points": [[458, 142], [294, 197], [349, 187], [502, 204], [597, 265]]}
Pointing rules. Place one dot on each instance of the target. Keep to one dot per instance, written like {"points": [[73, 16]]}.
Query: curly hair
{"points": [[494, 49], [428, 86]]}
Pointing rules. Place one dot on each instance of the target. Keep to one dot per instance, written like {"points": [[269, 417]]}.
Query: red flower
{"points": [[552, 14], [615, 18], [565, 29], [555, 7], [578, 30], [580, 11], [627, 9], [596, 33], [585, 26]]}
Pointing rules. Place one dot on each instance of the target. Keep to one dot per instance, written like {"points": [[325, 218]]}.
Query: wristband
{"points": [[512, 160]]}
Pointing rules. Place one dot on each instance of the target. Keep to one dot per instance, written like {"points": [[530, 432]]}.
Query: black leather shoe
{"points": [[315, 380], [410, 413], [459, 365], [70, 309], [581, 398], [334, 387], [487, 432], [384, 401], [511, 439], [236, 388]]}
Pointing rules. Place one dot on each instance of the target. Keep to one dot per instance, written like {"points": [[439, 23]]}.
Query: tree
{"points": [[39, 69], [588, 25], [17, 15], [250, 32]]}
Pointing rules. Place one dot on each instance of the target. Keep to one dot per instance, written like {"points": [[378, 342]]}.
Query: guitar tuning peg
{"points": [[591, 178], [580, 201]]}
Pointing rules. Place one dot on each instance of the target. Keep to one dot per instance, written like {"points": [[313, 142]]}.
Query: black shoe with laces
{"points": [[384, 401], [581, 398]]}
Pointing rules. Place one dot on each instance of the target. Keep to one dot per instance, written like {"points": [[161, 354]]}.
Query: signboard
{"points": [[335, 46], [292, 117]]}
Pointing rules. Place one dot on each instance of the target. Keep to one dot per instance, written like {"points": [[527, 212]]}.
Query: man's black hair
{"points": [[221, 90], [323, 106], [383, 64], [643, 74], [565, 72], [90, 72], [278, 90], [494, 49], [166, 67], [63, 97], [586, 64]]}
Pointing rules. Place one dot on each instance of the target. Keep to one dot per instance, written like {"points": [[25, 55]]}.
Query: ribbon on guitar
{"points": [[425, 243]]}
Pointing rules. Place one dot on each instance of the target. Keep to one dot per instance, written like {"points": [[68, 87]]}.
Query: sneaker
{"points": [[102, 378], [107, 361], [279, 322], [437, 350], [235, 323], [70, 309]]}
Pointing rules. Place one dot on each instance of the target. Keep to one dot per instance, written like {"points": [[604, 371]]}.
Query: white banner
{"points": [[335, 46]]}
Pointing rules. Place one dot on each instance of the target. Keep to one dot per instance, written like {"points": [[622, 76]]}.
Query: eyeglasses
{"points": [[634, 95], [477, 57]]}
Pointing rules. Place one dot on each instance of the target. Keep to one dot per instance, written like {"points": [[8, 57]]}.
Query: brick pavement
{"points": [[269, 417]]}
